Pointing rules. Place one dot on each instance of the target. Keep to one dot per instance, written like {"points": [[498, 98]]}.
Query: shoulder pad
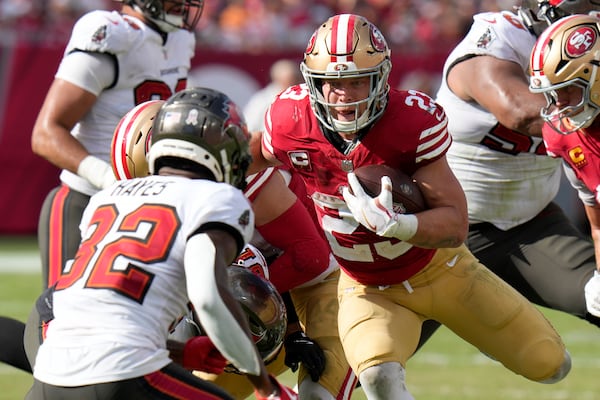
{"points": [[502, 35], [504, 23], [104, 32]]}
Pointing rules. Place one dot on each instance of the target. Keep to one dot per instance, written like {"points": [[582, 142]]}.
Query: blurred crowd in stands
{"points": [[412, 26]]}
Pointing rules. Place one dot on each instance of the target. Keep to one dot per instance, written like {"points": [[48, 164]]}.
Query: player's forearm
{"points": [[55, 144], [439, 228]]}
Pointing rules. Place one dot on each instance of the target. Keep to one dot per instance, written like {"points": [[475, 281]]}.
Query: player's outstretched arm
{"points": [[207, 255]]}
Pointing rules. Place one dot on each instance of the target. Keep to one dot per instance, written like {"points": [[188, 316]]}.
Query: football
{"points": [[406, 194]]}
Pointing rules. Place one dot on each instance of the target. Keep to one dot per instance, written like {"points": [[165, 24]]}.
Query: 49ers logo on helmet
{"points": [[311, 43], [377, 39], [580, 41]]}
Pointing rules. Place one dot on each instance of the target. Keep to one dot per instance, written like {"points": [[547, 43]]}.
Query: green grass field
{"points": [[446, 368]]}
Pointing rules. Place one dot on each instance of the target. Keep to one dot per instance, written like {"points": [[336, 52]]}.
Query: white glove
{"points": [[592, 295], [99, 173], [377, 214]]}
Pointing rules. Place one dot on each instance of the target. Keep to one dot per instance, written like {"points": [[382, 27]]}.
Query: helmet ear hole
{"points": [[154, 8]]}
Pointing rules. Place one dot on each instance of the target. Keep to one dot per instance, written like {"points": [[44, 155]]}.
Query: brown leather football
{"points": [[406, 194]]}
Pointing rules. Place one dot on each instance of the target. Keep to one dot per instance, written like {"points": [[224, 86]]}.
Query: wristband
{"points": [[402, 226], [99, 173]]}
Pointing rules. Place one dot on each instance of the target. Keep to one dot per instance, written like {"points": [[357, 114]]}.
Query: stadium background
{"points": [[238, 40]]}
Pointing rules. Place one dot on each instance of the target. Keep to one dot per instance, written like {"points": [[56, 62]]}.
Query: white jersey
{"points": [[126, 286], [146, 69], [507, 176]]}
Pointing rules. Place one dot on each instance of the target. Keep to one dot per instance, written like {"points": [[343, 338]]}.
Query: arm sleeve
{"points": [[586, 196], [93, 72], [216, 318], [305, 252]]}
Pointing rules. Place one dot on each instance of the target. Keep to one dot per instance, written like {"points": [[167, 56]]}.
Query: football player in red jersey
{"points": [[396, 269], [299, 262], [564, 67]]}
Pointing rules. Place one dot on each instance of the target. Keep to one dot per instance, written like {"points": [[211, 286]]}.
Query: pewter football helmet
{"points": [[201, 127]]}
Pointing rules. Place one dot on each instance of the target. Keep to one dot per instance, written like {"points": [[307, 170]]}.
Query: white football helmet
{"points": [[252, 259], [131, 141], [347, 46], [170, 15], [568, 54], [537, 15]]}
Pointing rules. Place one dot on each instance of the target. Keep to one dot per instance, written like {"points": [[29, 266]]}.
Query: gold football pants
{"points": [[381, 324]]}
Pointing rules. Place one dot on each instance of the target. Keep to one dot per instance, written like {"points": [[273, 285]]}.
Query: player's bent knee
{"points": [[385, 381], [562, 372], [546, 362]]}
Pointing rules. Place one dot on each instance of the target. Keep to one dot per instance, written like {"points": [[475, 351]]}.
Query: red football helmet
{"points": [[131, 141]]}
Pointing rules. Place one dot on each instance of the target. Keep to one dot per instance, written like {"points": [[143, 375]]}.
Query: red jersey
{"points": [[581, 150], [411, 133]]}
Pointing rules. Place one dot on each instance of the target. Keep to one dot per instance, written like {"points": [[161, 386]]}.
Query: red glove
{"points": [[285, 393], [200, 354]]}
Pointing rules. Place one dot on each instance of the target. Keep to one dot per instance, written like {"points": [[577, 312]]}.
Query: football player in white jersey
{"points": [[149, 247], [300, 267], [498, 155], [105, 71]]}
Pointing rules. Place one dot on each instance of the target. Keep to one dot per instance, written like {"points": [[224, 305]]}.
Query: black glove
{"points": [[299, 348]]}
